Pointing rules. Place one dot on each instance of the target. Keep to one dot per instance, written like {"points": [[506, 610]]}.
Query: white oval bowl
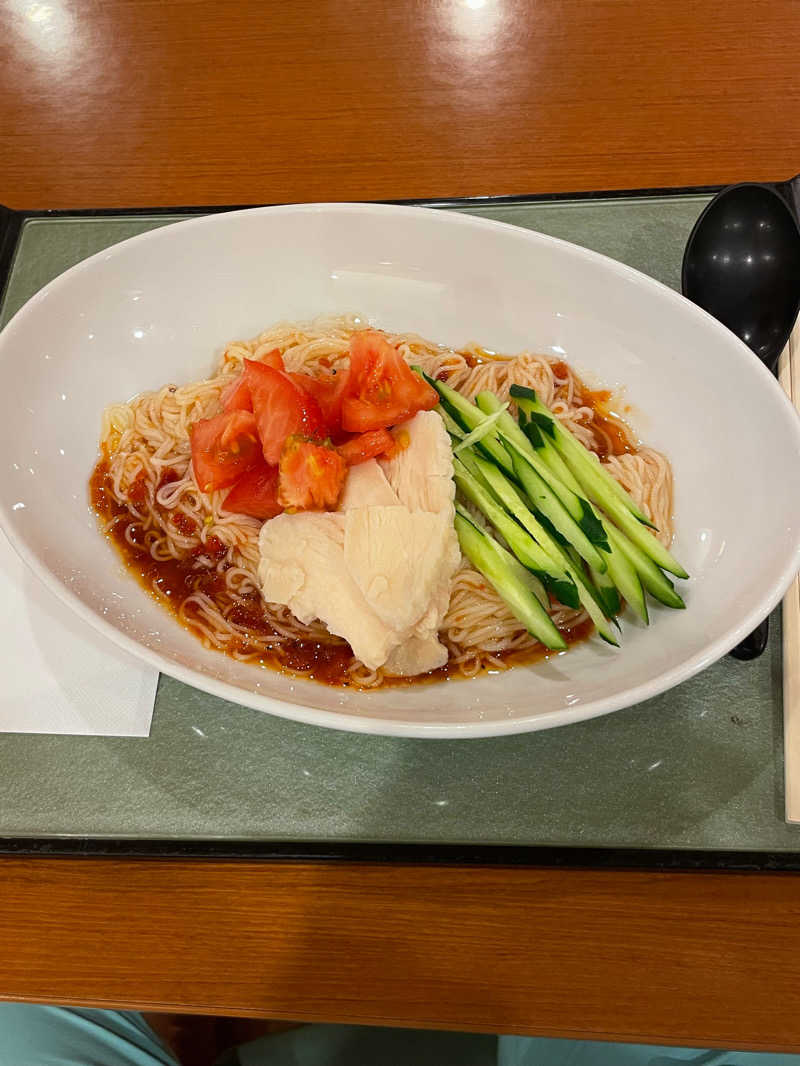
{"points": [[161, 306]]}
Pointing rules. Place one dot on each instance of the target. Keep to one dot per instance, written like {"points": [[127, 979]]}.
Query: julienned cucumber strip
{"points": [[623, 573], [590, 523], [528, 579], [629, 524], [598, 484], [470, 417], [548, 451], [543, 444], [450, 424], [603, 601], [620, 569], [578, 509], [606, 592], [632, 552], [538, 491], [510, 497], [551, 529], [657, 584], [500, 569], [481, 431], [551, 572], [572, 450], [512, 501]]}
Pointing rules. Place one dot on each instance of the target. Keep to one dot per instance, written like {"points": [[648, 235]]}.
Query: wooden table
{"points": [[142, 102], [138, 102]]}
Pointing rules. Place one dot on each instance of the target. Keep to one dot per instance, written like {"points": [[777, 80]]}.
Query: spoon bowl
{"points": [[742, 265]]}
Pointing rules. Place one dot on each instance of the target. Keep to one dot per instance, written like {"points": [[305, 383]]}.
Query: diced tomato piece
{"points": [[281, 408], [311, 475], [223, 448], [328, 389], [236, 396], [255, 493], [273, 359], [367, 446], [382, 389]]}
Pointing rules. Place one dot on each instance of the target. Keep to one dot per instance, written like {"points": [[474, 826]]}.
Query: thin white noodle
{"points": [[146, 444]]}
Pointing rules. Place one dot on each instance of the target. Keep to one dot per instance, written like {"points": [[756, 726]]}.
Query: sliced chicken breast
{"points": [[395, 557], [367, 486], [303, 566], [422, 473], [417, 655]]}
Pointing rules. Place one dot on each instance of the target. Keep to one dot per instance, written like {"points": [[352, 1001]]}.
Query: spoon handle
{"points": [[753, 644]]}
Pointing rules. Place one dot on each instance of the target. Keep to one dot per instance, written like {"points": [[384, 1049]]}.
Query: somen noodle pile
{"points": [[155, 500]]}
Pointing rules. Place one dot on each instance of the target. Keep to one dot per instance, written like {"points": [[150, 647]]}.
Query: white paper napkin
{"points": [[60, 676]]}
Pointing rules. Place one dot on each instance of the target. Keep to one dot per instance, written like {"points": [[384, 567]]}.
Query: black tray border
{"points": [[553, 856], [488, 855]]}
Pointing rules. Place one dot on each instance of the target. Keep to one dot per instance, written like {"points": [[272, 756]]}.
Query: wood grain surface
{"points": [[141, 102], [696, 959]]}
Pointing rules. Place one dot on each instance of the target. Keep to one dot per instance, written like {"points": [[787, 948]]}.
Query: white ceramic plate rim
{"points": [[656, 685]]}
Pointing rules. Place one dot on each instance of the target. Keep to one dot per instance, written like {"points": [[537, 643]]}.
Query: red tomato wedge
{"points": [[281, 409], [367, 446], [382, 389], [273, 359], [311, 475], [255, 493], [328, 390], [223, 448], [236, 396]]}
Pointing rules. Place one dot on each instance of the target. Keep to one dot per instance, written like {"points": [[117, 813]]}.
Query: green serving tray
{"points": [[693, 778]]}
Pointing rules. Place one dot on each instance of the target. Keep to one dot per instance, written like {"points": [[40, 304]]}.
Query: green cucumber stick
{"points": [[623, 573], [543, 500], [657, 584], [513, 502], [539, 434], [469, 418], [501, 570], [599, 485], [551, 572], [606, 592], [578, 508], [574, 453]]}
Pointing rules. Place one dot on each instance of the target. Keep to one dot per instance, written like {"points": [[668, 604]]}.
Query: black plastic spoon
{"points": [[742, 265]]}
